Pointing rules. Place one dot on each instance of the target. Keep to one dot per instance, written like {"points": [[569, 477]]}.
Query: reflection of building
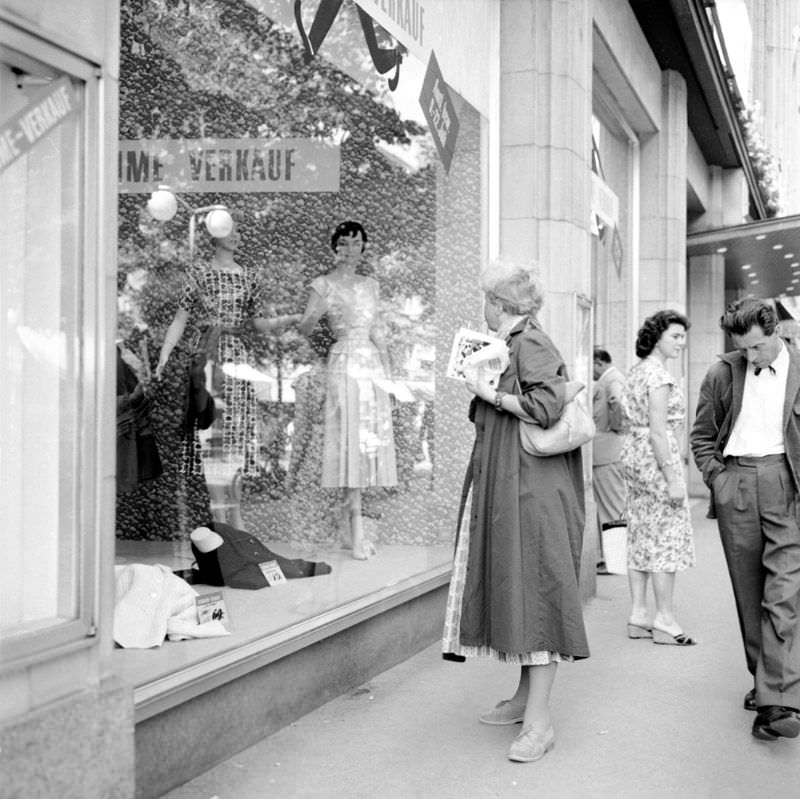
{"points": [[631, 93]]}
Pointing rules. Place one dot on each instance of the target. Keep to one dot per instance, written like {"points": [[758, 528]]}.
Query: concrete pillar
{"points": [[662, 266], [706, 340], [545, 124], [545, 113]]}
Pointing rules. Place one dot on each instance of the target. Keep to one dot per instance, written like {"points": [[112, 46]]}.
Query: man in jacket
{"points": [[607, 478], [746, 443]]}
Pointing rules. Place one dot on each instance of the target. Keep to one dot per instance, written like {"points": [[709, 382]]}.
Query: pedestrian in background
{"points": [[608, 481], [514, 593], [660, 537], [746, 443]]}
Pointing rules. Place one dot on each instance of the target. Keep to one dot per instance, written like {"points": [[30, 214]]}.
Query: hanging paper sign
{"points": [[228, 165], [605, 204], [440, 112], [45, 112]]}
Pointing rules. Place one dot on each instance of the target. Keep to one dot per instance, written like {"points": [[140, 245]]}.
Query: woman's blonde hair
{"points": [[515, 286]]}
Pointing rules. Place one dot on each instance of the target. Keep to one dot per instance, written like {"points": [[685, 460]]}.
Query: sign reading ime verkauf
{"points": [[228, 165], [440, 112]]}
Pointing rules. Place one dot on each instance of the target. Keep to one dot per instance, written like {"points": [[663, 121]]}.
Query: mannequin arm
{"points": [[314, 310], [263, 324], [173, 336]]}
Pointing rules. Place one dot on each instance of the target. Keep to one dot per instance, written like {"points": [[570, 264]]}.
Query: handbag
{"points": [[572, 430]]}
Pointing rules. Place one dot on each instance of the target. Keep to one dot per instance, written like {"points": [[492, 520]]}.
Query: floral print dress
{"points": [[660, 537]]}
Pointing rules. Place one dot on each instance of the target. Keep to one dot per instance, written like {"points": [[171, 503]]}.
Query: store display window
{"points": [[296, 251]]}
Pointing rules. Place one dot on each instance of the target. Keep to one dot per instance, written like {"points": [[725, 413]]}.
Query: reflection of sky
{"points": [[405, 99]]}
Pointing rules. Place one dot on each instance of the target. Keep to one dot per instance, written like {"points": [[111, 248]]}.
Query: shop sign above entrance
{"points": [[440, 112], [403, 19], [228, 165], [45, 112]]}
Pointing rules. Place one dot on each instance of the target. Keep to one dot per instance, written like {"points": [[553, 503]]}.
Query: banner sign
{"points": [[439, 110], [228, 165], [403, 19], [46, 111]]}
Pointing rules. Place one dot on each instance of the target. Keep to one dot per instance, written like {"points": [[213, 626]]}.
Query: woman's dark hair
{"points": [[742, 315], [348, 229], [653, 328]]}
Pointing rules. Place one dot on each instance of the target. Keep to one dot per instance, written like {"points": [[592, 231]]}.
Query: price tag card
{"points": [[273, 572], [211, 607]]}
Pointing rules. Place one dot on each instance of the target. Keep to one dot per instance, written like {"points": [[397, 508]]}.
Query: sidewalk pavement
{"points": [[635, 720]]}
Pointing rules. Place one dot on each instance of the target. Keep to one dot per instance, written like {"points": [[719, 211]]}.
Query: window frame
{"points": [[47, 638]]}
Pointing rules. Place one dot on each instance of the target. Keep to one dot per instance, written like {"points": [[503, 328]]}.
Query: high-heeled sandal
{"points": [[663, 637], [639, 631]]}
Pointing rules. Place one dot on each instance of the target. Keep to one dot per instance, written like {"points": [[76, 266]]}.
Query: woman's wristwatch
{"points": [[498, 400]]}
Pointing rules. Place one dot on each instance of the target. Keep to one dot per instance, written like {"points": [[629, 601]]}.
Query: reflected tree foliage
{"points": [[206, 69]]}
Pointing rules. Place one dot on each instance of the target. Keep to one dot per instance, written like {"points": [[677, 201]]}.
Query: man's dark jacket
{"points": [[718, 406]]}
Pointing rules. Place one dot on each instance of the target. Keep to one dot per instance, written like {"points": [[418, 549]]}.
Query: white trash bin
{"points": [[615, 548]]}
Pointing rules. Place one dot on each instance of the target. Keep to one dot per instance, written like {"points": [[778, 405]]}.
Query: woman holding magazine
{"points": [[514, 592]]}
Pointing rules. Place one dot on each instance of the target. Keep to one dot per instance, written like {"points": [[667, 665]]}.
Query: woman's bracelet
{"points": [[498, 400]]}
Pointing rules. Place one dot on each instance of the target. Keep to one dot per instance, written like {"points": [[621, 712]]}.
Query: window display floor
{"points": [[268, 623]]}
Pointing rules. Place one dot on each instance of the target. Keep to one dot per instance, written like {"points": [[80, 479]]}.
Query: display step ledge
{"points": [[164, 693]]}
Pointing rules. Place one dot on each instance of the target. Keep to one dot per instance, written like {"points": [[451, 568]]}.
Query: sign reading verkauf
{"points": [[228, 165], [45, 112]]}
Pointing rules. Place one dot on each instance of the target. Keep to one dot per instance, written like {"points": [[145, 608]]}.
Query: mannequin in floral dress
{"points": [[219, 300], [358, 448]]}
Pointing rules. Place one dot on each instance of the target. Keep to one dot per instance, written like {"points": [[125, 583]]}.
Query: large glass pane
{"points": [[328, 423], [41, 161]]}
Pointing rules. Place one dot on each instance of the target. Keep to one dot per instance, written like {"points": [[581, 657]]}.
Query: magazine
{"points": [[480, 351]]}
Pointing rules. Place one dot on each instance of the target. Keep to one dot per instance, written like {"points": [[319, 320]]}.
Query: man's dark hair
{"points": [[742, 315], [601, 355], [653, 328]]}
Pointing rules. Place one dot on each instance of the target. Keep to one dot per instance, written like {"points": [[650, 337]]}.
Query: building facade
{"points": [[566, 133]]}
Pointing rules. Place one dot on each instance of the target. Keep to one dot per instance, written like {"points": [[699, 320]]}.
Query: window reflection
{"points": [[333, 419]]}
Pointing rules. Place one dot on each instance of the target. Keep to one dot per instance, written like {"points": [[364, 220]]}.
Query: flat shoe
{"points": [[663, 637], [529, 745], [502, 714], [774, 721], [639, 631], [750, 700]]}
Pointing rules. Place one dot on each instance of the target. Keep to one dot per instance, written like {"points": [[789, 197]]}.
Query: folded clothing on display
{"points": [[153, 604]]}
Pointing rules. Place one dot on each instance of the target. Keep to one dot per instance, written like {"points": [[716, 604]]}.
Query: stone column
{"points": [[707, 341], [545, 130], [662, 265]]}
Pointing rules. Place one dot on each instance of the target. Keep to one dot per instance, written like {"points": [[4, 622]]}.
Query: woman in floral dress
{"points": [[660, 538]]}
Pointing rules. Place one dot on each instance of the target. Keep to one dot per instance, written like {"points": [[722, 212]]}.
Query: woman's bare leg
{"points": [[362, 549], [637, 582]]}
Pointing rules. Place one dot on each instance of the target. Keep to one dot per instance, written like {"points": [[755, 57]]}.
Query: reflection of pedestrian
{"points": [[746, 443], [514, 593], [607, 478], [358, 448], [660, 538]]}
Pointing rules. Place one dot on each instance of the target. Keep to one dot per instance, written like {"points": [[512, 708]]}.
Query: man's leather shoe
{"points": [[774, 721], [750, 700]]}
